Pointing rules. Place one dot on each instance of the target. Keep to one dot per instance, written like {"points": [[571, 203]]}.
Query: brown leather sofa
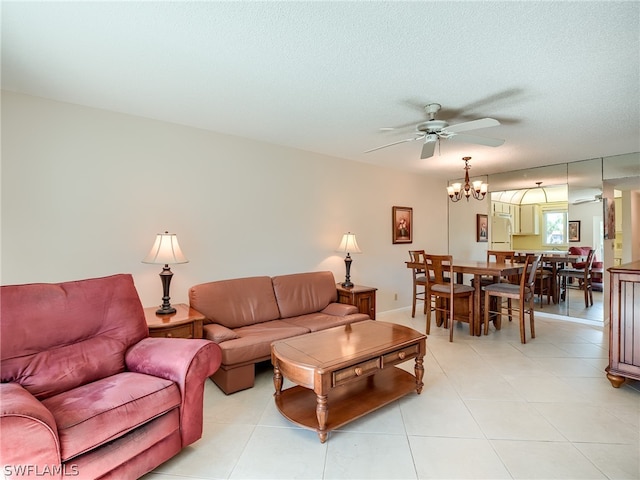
{"points": [[245, 315]]}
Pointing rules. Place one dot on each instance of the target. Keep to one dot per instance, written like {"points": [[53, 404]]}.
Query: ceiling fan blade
{"points": [[429, 146], [489, 142], [473, 125], [391, 144]]}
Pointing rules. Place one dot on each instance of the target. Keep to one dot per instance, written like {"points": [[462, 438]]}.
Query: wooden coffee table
{"points": [[348, 370]]}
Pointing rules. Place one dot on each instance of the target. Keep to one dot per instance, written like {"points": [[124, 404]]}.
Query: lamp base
{"points": [[163, 310], [347, 279], [165, 277]]}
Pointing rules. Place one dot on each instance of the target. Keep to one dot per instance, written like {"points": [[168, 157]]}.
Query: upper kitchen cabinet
{"points": [[528, 221]]}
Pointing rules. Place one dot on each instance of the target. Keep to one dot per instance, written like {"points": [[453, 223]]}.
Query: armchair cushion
{"points": [[53, 347], [93, 414]]}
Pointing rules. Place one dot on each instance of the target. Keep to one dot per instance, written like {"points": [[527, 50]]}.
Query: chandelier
{"points": [[477, 189]]}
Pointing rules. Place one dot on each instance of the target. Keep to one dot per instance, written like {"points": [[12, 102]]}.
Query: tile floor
{"points": [[491, 408]]}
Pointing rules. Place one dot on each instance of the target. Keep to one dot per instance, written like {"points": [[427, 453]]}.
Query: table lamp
{"points": [[348, 245], [165, 250]]}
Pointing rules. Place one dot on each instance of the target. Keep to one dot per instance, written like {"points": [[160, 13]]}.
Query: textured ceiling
{"points": [[562, 77]]}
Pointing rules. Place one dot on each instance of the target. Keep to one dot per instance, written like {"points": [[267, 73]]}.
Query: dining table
{"points": [[478, 268]]}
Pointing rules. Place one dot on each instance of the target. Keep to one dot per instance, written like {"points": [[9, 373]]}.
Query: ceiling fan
{"points": [[595, 199], [433, 130]]}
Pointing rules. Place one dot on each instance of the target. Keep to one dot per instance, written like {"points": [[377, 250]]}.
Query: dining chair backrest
{"points": [[439, 268], [528, 278], [417, 256], [500, 256], [589, 262]]}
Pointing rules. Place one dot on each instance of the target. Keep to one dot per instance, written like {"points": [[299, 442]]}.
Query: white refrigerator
{"points": [[500, 233]]}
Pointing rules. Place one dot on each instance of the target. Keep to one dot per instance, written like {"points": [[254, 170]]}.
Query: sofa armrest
{"points": [[187, 362], [29, 433], [340, 309], [219, 333]]}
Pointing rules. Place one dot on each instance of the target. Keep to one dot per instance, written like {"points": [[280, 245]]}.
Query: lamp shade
{"points": [[349, 244], [165, 250]]}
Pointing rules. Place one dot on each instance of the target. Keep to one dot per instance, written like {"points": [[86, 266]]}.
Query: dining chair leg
{"points": [[413, 306], [532, 320], [451, 304], [522, 326], [428, 320], [509, 309], [486, 312], [591, 292], [472, 323]]}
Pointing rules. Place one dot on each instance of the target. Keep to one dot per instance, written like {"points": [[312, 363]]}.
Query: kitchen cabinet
{"points": [[527, 222]]}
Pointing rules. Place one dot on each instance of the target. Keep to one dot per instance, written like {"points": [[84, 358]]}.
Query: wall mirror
{"points": [[584, 187]]}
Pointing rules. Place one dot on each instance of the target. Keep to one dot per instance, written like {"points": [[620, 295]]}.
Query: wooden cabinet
{"points": [[528, 220], [185, 323], [362, 297], [624, 326]]}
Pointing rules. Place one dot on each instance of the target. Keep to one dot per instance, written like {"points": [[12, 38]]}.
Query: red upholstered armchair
{"points": [[84, 392], [596, 280]]}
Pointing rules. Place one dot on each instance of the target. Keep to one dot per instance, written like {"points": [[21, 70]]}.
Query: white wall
{"points": [[588, 214], [84, 191]]}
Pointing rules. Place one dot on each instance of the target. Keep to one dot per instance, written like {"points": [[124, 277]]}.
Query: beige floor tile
{"points": [[352, 456], [491, 408], [456, 458]]}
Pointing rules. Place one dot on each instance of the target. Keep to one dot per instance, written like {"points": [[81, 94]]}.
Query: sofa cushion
{"points": [[302, 293], [320, 321], [254, 342], [96, 413], [237, 302], [55, 337]]}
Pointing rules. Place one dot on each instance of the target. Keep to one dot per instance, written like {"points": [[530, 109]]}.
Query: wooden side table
{"points": [[362, 297], [185, 323]]}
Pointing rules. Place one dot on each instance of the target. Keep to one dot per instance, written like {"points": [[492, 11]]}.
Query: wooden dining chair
{"points": [[524, 293], [442, 288], [544, 283], [419, 281], [499, 256], [584, 277]]}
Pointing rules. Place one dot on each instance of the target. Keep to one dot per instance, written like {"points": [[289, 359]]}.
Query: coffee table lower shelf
{"points": [[347, 402]]}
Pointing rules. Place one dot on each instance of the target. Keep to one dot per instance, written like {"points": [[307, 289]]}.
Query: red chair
{"points": [[84, 389], [596, 269], [584, 276]]}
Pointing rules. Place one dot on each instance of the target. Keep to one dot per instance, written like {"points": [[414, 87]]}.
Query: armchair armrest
{"points": [[186, 362], [29, 433]]}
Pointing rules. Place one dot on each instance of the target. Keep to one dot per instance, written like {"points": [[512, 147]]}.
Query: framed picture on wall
{"points": [[482, 228], [574, 230], [402, 224], [609, 206]]}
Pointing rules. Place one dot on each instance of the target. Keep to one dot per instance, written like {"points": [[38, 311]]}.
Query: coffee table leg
{"points": [[419, 369], [322, 412], [277, 379]]}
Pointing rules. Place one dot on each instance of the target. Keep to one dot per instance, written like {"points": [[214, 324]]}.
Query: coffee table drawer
{"points": [[400, 355], [369, 367]]}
